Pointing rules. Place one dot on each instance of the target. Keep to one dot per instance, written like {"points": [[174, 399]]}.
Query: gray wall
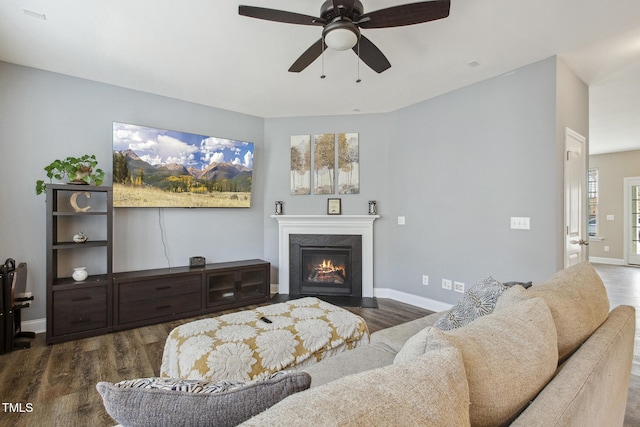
{"points": [[465, 163], [612, 169], [375, 172], [457, 167], [44, 116]]}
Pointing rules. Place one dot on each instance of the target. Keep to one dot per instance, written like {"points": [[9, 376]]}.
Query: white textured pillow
{"points": [[509, 356], [428, 391]]}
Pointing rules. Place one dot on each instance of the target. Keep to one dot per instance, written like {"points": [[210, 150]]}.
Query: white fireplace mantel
{"points": [[326, 224]]}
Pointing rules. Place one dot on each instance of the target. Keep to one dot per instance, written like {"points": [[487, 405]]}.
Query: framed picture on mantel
{"points": [[334, 206]]}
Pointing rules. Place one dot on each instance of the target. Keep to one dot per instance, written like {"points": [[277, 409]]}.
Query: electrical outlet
{"points": [[425, 280], [458, 287], [446, 284], [402, 220]]}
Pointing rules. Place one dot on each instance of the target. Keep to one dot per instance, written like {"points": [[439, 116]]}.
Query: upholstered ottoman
{"points": [[255, 343]]}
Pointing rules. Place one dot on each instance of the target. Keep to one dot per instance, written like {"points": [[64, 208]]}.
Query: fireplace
{"points": [[322, 264], [352, 225]]}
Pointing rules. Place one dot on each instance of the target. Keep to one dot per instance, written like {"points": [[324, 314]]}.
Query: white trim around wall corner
{"points": [[611, 261], [422, 302]]}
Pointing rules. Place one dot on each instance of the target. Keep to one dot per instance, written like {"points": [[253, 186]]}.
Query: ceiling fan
{"points": [[342, 20]]}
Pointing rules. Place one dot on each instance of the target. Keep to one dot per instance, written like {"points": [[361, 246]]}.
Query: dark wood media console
{"points": [[153, 296], [147, 297]]}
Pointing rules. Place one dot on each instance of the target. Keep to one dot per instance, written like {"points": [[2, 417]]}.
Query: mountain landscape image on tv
{"points": [[163, 168]]}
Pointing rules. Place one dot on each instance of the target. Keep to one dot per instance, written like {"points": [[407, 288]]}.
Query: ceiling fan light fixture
{"points": [[341, 35]]}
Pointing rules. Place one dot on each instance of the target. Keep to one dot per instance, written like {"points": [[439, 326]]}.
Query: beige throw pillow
{"points": [[509, 356], [429, 391], [578, 302]]}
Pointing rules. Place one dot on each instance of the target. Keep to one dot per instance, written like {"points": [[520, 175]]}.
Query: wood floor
{"points": [[59, 380]]}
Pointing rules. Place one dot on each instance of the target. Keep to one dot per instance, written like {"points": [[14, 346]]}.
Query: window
{"points": [[592, 191]]}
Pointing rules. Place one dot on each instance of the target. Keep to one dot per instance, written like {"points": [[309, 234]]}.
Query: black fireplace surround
{"points": [[325, 265]]}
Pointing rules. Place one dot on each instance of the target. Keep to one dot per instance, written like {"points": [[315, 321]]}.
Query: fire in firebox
{"points": [[327, 272]]}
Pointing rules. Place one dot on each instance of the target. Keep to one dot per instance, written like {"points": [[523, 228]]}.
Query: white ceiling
{"points": [[202, 51]]}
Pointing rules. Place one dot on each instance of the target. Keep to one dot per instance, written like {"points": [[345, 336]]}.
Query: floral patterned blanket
{"points": [[243, 346]]}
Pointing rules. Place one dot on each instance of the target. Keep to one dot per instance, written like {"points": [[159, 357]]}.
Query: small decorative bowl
{"points": [[80, 237]]}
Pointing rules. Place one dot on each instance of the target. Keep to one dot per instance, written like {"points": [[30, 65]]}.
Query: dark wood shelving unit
{"points": [[78, 309]]}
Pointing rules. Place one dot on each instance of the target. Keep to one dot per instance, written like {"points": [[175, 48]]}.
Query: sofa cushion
{"points": [[143, 402], [477, 301], [359, 359], [396, 336], [509, 356], [430, 390], [578, 302]]}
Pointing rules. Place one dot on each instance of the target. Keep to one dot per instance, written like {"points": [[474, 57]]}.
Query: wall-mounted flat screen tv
{"points": [[163, 168]]}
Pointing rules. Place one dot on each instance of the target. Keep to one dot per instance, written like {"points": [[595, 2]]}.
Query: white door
{"points": [[632, 220], [575, 200]]}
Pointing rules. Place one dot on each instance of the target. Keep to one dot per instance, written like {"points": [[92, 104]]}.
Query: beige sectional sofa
{"points": [[550, 355]]}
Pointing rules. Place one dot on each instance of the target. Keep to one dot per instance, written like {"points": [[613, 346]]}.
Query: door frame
{"points": [[628, 183], [575, 239]]}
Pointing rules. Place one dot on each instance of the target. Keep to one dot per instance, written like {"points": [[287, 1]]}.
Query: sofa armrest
{"points": [[396, 336], [591, 387]]}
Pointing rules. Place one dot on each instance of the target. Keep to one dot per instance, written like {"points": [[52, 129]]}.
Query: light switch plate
{"points": [[520, 223]]}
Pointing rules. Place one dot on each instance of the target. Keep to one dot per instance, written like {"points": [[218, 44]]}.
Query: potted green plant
{"points": [[78, 170]]}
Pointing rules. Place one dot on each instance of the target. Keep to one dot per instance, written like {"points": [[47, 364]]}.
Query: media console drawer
{"points": [[79, 310], [141, 300], [153, 308], [158, 287]]}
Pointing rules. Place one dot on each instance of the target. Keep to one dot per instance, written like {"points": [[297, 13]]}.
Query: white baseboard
{"points": [[406, 298], [611, 261], [38, 326]]}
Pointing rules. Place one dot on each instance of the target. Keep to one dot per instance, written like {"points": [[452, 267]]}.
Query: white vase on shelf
{"points": [[80, 274]]}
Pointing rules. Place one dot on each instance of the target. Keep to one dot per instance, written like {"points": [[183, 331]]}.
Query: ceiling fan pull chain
{"points": [[358, 59], [322, 76]]}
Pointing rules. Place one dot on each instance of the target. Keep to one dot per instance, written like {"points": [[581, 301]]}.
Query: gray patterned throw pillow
{"points": [[478, 301], [176, 402]]}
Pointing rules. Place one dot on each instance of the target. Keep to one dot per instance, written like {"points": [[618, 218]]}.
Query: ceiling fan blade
{"points": [[371, 55], [279, 16], [406, 14], [307, 57]]}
